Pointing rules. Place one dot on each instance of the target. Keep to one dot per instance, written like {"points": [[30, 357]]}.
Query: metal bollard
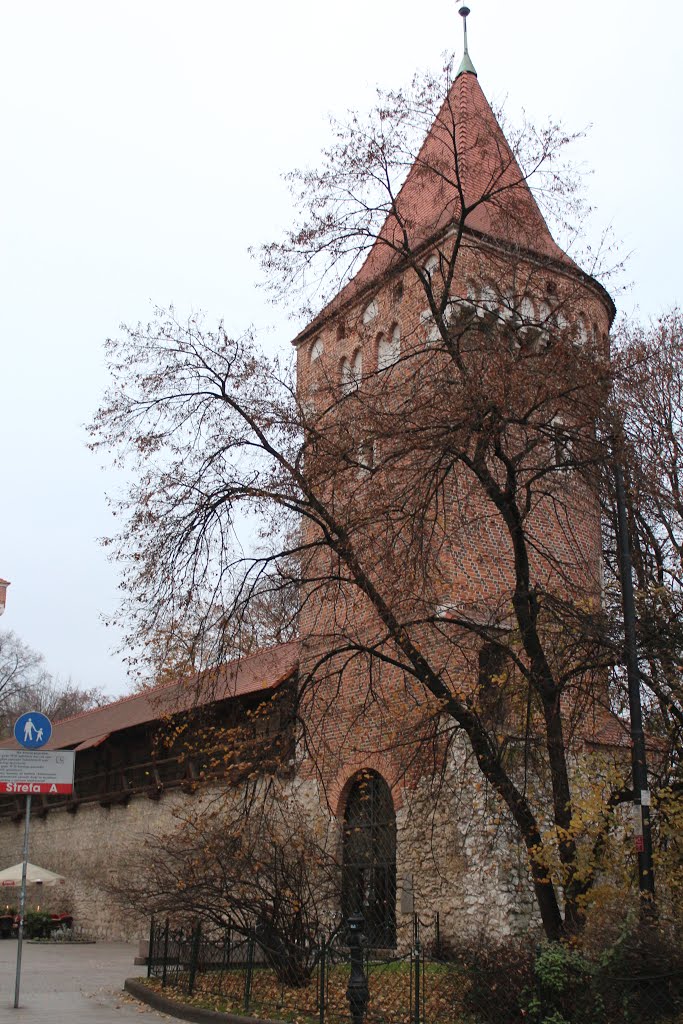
{"points": [[150, 951], [165, 968], [357, 989]]}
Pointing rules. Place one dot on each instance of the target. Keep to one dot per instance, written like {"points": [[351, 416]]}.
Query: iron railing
{"points": [[422, 981]]}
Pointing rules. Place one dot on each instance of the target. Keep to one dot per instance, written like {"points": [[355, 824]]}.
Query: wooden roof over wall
{"points": [[257, 673]]}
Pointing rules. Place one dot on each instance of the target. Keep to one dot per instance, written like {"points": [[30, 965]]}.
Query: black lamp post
{"points": [[357, 989], [641, 793]]}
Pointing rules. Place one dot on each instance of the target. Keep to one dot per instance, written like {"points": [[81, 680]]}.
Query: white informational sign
{"points": [[27, 772]]}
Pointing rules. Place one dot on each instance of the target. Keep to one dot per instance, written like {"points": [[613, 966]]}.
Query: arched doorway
{"points": [[369, 857]]}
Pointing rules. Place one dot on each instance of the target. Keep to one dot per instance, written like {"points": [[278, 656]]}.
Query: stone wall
{"points": [[458, 856], [455, 856], [91, 848]]}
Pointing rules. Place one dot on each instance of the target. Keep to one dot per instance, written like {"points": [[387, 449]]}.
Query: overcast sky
{"points": [[143, 146]]}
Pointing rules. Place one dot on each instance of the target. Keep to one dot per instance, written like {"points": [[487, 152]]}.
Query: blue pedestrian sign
{"points": [[32, 730]]}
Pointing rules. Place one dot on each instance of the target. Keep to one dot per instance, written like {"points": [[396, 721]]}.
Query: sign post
{"points": [[30, 771], [22, 902]]}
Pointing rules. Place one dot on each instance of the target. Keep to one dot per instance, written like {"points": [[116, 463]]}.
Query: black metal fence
{"points": [[224, 962], [424, 981]]}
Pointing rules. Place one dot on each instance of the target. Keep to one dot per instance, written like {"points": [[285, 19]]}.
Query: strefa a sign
{"points": [[28, 772]]}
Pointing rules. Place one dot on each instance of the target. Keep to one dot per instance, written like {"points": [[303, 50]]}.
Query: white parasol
{"points": [[10, 878]]}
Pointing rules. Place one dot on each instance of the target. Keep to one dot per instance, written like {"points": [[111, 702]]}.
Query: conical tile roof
{"points": [[464, 155]]}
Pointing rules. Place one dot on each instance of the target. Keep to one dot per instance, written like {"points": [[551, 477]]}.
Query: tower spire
{"points": [[465, 64]]}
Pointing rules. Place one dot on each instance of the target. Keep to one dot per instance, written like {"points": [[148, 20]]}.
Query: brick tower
{"points": [[465, 305]]}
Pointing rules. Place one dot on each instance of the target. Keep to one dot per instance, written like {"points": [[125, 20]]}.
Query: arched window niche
{"points": [[369, 857], [389, 349], [370, 312], [316, 350]]}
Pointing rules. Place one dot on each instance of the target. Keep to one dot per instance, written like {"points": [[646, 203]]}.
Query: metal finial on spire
{"points": [[465, 64]]}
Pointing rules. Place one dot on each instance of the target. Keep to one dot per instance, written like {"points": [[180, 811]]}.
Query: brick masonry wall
{"points": [[475, 563], [456, 855]]}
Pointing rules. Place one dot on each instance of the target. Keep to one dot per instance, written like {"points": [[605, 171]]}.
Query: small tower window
{"points": [[366, 459], [432, 270], [432, 265], [582, 336], [428, 322], [563, 445], [526, 310], [351, 371], [489, 298], [357, 367], [560, 321], [544, 313], [492, 685]]}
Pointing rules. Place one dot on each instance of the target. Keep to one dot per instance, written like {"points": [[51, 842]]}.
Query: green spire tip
{"points": [[465, 64]]}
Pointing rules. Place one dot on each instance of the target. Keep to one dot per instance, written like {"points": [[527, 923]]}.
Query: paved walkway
{"points": [[71, 984]]}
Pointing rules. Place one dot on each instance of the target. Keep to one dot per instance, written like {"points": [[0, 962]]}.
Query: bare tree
{"points": [[365, 491], [19, 665], [25, 684], [198, 634], [251, 861], [650, 399]]}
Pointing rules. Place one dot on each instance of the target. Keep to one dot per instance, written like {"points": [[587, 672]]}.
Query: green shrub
{"points": [[36, 924], [499, 976], [637, 979], [640, 977], [563, 993]]}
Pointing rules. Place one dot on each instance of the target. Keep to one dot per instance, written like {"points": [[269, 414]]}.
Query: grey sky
{"points": [[143, 144]]}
